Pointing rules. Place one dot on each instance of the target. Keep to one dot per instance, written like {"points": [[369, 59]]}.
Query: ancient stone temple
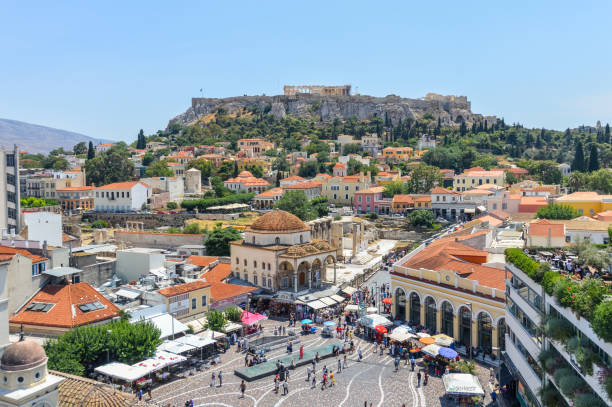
{"points": [[344, 90]]}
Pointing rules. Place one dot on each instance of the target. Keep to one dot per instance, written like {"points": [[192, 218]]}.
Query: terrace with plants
{"points": [[589, 297]]}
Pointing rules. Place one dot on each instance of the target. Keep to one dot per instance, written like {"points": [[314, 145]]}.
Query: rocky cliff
{"points": [[450, 109]]}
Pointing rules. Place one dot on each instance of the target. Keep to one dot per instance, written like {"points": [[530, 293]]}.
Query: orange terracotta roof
{"points": [[339, 165], [293, 178], [218, 273], [604, 216], [67, 189], [477, 191], [270, 193], [440, 190], [11, 251], [67, 238], [422, 199], [581, 196], [183, 288], [5, 257], [492, 221], [373, 190], [105, 145], [66, 312], [482, 173], [403, 198], [123, 185], [350, 178], [325, 176], [304, 185], [246, 178], [221, 291], [181, 154], [201, 261], [543, 227], [173, 164]]}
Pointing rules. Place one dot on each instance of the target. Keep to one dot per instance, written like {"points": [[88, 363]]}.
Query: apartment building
{"points": [[371, 201], [398, 153], [121, 196], [254, 147], [9, 190], [478, 176], [187, 301], [341, 190]]}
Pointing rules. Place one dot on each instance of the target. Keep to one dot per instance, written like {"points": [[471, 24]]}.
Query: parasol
{"points": [[428, 340], [447, 353], [387, 300], [306, 321], [381, 329]]}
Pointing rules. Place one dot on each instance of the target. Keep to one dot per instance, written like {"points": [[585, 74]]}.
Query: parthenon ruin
{"points": [[344, 90]]}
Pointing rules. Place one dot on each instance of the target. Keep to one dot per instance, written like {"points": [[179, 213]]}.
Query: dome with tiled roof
{"points": [[22, 355], [245, 174], [278, 221]]}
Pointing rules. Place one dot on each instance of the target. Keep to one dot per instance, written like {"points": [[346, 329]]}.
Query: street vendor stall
{"points": [[351, 308], [123, 372], [431, 350], [249, 321], [372, 310], [462, 387], [204, 345], [177, 348], [401, 334], [443, 340], [371, 321]]}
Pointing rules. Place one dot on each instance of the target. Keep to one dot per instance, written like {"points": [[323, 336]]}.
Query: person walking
{"points": [[324, 382], [381, 351], [332, 381], [212, 380], [397, 360], [314, 381], [412, 363], [426, 378], [359, 353], [314, 366], [140, 395], [220, 377], [344, 362], [418, 379], [242, 389], [308, 372], [339, 366], [285, 388], [301, 351]]}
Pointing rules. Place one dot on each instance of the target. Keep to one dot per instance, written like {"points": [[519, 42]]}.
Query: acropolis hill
{"points": [[335, 102]]}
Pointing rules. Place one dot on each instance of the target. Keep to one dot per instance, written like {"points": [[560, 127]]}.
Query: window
{"points": [[367, 199], [255, 280], [245, 262], [438, 198], [255, 263], [494, 206], [277, 240], [269, 282], [39, 307], [10, 160], [194, 303], [359, 199], [346, 187], [92, 306], [285, 282], [12, 213], [346, 196], [10, 196], [127, 194], [203, 300], [237, 260], [10, 179]]}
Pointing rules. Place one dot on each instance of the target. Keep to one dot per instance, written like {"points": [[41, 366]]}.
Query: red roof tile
{"points": [[11, 251], [122, 185], [183, 288], [202, 261], [220, 291], [66, 312], [218, 273]]}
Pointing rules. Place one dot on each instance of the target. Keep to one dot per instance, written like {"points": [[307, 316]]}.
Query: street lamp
{"points": [[108, 331]]}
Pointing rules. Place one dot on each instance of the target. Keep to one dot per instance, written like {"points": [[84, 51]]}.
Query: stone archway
{"points": [[303, 274], [285, 275], [329, 260]]}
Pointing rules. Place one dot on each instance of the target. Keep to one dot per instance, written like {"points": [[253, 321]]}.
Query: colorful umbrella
{"points": [[387, 300], [428, 340], [415, 350], [447, 353], [380, 329], [329, 323], [306, 321]]}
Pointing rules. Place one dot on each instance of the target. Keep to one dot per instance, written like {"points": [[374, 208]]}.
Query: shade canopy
{"points": [[352, 308], [443, 340], [431, 350], [249, 318], [124, 372], [380, 329], [387, 300], [400, 334], [422, 334], [306, 321], [329, 323], [175, 347], [374, 319], [448, 353], [195, 340], [372, 310], [428, 340], [316, 304], [462, 384]]}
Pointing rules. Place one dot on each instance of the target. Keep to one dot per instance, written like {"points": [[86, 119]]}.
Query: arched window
{"points": [[400, 304], [484, 331], [415, 309], [277, 240], [501, 334], [465, 326], [430, 314], [255, 263], [447, 319]]}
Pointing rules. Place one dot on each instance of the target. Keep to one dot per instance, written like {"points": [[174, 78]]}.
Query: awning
{"points": [[62, 271], [481, 208], [431, 350], [443, 340], [132, 295], [328, 301], [349, 290], [195, 341], [371, 310], [169, 358], [214, 335], [462, 384], [470, 210], [167, 324], [400, 334], [337, 298], [351, 308], [175, 347], [231, 327], [374, 319], [316, 304], [122, 371]]}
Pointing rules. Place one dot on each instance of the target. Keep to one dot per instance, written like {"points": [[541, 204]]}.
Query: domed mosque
{"points": [[279, 254], [24, 379]]}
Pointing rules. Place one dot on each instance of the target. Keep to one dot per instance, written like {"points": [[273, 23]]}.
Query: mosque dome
{"points": [[278, 221], [22, 355]]}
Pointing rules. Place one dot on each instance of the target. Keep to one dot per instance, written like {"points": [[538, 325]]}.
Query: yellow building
{"points": [[398, 153], [341, 190], [387, 177], [260, 163], [475, 177], [586, 203], [187, 301], [445, 288]]}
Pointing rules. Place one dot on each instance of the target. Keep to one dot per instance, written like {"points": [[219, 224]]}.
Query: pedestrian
{"points": [[381, 351], [285, 388], [359, 353], [220, 377], [190, 402], [494, 396], [308, 372], [426, 378], [314, 381], [301, 351], [375, 346], [242, 389], [324, 382], [212, 380], [149, 392], [276, 384], [246, 359], [339, 366], [491, 374], [418, 379], [140, 395], [284, 331], [412, 363], [314, 366], [332, 381], [344, 362], [397, 360]]}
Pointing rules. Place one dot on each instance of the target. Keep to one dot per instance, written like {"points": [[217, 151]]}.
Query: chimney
{"points": [[45, 251]]}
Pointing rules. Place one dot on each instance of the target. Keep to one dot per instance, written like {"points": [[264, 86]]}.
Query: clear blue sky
{"points": [[107, 69]]}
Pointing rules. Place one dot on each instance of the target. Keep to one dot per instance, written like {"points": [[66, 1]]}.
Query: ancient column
{"points": [[295, 281], [439, 319], [354, 239], [309, 276]]}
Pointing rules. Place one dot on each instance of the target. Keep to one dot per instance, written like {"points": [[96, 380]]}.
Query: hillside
{"points": [[39, 139], [451, 110]]}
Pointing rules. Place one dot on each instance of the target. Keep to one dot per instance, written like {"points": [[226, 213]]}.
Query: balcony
{"points": [[526, 338], [527, 308], [524, 277], [592, 380], [531, 379]]}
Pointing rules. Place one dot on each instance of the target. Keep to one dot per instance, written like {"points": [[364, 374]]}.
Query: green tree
{"points": [[423, 178], [421, 218], [511, 178], [147, 159], [600, 181], [593, 158], [110, 166], [205, 166], [234, 314], [308, 169], [579, 163], [555, 211], [217, 243], [192, 229], [255, 170], [159, 169], [393, 188], [79, 148], [353, 148], [353, 167], [141, 142], [99, 224], [320, 206], [295, 202], [91, 151], [216, 320]]}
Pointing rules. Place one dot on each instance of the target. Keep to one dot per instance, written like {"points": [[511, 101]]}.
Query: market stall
{"points": [[431, 350], [444, 340], [122, 372], [351, 308], [250, 319], [371, 321], [462, 387], [401, 335], [203, 345]]}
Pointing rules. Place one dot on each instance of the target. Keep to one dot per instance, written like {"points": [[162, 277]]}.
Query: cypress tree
{"points": [[593, 158], [462, 129], [578, 164], [607, 134], [91, 152]]}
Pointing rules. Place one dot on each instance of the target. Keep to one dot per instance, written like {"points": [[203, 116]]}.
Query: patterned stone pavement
{"points": [[373, 380]]}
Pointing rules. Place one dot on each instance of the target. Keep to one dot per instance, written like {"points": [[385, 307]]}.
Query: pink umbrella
{"points": [[249, 318]]}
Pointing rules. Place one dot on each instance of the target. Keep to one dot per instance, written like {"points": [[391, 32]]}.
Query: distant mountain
{"points": [[39, 139]]}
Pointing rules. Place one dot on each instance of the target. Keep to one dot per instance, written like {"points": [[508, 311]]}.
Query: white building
{"points": [[175, 186], [44, 226], [100, 148], [4, 314], [9, 189], [371, 144], [565, 169], [138, 262], [121, 196]]}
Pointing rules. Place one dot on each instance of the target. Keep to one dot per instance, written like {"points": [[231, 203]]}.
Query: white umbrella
{"points": [[351, 308], [371, 310], [431, 350]]}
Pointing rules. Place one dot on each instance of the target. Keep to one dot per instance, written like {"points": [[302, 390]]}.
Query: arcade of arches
{"points": [[476, 324]]}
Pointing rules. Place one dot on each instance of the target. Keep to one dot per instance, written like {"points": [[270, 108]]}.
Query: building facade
{"points": [[122, 197], [9, 190], [187, 301], [474, 177], [76, 199]]}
